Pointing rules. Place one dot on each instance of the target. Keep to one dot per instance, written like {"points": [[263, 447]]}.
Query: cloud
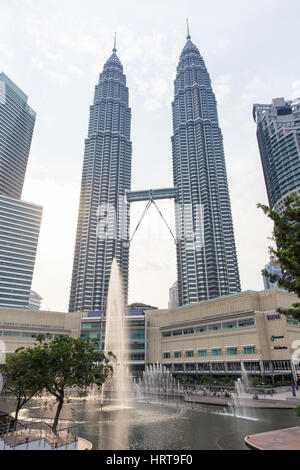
{"points": [[296, 89], [222, 87], [54, 75], [256, 89]]}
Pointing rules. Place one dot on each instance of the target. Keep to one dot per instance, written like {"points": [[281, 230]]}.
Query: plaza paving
{"points": [[284, 400], [283, 439]]}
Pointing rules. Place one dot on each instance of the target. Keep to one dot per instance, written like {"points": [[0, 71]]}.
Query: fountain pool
{"points": [[159, 423]]}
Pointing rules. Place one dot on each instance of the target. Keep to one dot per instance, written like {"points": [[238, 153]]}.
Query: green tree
{"points": [[286, 235], [297, 410], [65, 362], [22, 379], [185, 380]]}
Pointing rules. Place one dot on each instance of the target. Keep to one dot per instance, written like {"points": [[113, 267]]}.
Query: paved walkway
{"points": [[284, 439], [277, 396], [83, 444], [247, 402]]}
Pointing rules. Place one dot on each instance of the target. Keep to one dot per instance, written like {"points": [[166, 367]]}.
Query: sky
{"points": [[54, 51]]}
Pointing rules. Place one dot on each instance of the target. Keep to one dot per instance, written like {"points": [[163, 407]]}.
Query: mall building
{"points": [[19, 327], [216, 337]]}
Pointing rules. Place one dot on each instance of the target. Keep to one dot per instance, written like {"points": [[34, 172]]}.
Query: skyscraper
{"points": [[103, 220], [274, 269], [19, 220], [17, 121], [19, 234], [278, 135], [206, 254]]}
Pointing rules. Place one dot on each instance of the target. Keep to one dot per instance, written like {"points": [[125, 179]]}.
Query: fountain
{"points": [[238, 407], [157, 380], [116, 339]]}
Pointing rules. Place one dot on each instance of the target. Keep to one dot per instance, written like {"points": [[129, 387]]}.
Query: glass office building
{"points": [[93, 327], [19, 220], [17, 121], [103, 220], [278, 135], [19, 232], [206, 254], [273, 269]]}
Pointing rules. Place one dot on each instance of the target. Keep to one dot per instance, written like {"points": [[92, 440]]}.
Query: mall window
{"points": [[229, 325], [167, 355], [189, 353], [217, 352], [247, 322], [232, 351], [136, 357], [12, 334], [87, 325], [177, 354], [214, 327], [249, 350], [189, 331], [165, 334], [201, 329], [177, 333], [29, 335], [202, 352]]}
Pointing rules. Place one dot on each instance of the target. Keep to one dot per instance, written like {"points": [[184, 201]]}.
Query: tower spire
{"points": [[188, 30], [115, 43]]}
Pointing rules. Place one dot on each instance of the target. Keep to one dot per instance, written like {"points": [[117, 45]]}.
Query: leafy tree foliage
{"points": [[66, 362], [286, 235], [56, 365], [22, 377]]}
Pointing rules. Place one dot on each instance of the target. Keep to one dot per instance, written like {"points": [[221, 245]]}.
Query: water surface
{"points": [[159, 424]]}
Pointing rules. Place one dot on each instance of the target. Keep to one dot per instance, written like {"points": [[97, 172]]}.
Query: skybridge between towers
{"points": [[150, 196]]}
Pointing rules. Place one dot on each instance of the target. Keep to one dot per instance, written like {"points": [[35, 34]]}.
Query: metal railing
{"points": [[30, 430]]}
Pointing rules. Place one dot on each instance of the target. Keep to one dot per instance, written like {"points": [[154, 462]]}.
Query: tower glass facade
{"points": [[103, 220], [19, 220], [17, 121], [206, 254], [19, 232], [274, 269], [278, 135]]}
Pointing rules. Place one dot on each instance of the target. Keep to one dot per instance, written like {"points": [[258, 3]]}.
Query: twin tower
{"points": [[206, 255]]}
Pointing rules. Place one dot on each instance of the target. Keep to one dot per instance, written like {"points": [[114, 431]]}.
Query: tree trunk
{"points": [[18, 407], [58, 410]]}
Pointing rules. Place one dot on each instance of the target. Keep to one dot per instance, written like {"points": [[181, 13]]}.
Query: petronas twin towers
{"points": [[206, 255]]}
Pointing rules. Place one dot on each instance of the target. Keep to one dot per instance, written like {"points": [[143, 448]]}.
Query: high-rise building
{"points": [[273, 269], [19, 233], [206, 254], [103, 220], [278, 135], [35, 301], [173, 296], [19, 220], [17, 121]]}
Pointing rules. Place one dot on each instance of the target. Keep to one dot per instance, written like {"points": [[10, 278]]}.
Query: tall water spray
{"points": [[116, 340]]}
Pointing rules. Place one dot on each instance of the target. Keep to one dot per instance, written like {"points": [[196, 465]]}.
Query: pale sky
{"points": [[54, 51]]}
